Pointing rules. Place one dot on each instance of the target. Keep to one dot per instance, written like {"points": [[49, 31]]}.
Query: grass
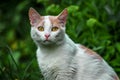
{"points": [[11, 70]]}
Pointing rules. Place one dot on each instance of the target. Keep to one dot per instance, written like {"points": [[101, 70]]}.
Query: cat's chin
{"points": [[46, 42]]}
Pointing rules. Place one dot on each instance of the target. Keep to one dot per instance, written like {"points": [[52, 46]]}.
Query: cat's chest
{"points": [[53, 59], [56, 64]]}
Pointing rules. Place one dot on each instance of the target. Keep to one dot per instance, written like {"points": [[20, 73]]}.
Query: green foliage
{"points": [[93, 23]]}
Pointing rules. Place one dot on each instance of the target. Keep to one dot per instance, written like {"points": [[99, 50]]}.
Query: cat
{"points": [[59, 58]]}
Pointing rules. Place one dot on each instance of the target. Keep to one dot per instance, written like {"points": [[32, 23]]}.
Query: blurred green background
{"points": [[93, 23]]}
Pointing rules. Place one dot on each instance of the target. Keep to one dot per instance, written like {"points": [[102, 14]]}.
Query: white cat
{"points": [[59, 58]]}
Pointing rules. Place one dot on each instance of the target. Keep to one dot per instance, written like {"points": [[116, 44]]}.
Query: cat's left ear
{"points": [[63, 16]]}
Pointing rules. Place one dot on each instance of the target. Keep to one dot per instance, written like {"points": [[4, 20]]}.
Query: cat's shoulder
{"points": [[87, 51]]}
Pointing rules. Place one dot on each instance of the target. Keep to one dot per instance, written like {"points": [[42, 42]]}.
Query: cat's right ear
{"points": [[63, 16], [34, 16]]}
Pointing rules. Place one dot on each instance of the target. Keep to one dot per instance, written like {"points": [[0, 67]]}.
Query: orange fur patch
{"points": [[55, 21], [41, 21], [115, 77], [90, 52]]}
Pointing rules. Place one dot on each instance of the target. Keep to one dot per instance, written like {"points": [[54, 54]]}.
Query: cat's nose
{"points": [[47, 35]]}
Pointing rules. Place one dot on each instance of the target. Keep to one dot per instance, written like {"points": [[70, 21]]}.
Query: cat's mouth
{"points": [[46, 41]]}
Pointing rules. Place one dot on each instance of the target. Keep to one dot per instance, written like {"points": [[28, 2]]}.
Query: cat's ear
{"points": [[34, 16], [63, 16]]}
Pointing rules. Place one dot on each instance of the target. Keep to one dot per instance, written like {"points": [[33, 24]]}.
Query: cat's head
{"points": [[47, 30]]}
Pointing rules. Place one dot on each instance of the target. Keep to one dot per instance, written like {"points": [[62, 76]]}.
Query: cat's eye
{"points": [[41, 28], [54, 28]]}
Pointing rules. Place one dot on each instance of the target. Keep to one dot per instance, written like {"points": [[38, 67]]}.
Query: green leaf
{"points": [[91, 22], [53, 9], [72, 8], [10, 36], [118, 46]]}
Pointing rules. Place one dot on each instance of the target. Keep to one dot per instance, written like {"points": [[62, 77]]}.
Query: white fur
{"points": [[47, 24], [67, 61]]}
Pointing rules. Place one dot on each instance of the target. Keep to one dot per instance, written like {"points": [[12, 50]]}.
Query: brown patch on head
{"points": [[41, 21], [59, 20], [90, 52], [55, 21]]}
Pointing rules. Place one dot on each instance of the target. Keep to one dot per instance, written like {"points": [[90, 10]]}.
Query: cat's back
{"points": [[92, 65]]}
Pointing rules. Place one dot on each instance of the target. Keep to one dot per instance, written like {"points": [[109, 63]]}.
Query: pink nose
{"points": [[47, 35]]}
